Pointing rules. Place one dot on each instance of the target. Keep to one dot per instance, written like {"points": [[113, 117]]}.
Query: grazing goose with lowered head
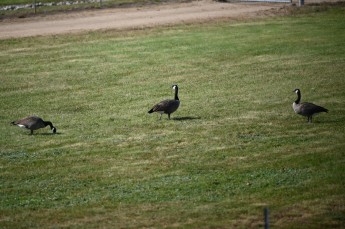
{"points": [[168, 106], [33, 123], [306, 109]]}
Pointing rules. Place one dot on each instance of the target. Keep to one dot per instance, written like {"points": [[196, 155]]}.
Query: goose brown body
{"points": [[167, 106], [306, 109], [33, 123]]}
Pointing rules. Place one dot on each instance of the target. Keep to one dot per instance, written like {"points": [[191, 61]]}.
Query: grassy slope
{"points": [[234, 147], [42, 10], [15, 2]]}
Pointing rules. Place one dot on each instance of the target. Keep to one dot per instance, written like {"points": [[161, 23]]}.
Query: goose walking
{"points": [[33, 123], [168, 106], [306, 109]]}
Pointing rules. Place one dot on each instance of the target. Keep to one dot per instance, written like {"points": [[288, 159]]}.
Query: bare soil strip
{"points": [[128, 18]]}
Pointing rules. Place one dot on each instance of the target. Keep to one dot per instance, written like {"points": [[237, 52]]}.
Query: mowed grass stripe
{"points": [[233, 147]]}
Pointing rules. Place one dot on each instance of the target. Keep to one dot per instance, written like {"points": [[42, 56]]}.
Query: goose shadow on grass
{"points": [[185, 118], [48, 134]]}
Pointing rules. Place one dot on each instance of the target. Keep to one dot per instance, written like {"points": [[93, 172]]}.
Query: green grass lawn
{"points": [[233, 147]]}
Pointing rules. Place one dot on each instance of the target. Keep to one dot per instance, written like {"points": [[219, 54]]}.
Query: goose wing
{"points": [[311, 108], [168, 105], [30, 122]]}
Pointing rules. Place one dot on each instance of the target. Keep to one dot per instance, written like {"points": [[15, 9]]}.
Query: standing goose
{"points": [[33, 123], [306, 109], [168, 106]]}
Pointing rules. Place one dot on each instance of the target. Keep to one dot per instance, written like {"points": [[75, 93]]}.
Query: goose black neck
{"points": [[176, 93], [49, 123], [298, 97]]}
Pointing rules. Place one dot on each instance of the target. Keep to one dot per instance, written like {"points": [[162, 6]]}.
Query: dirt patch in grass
{"points": [[130, 18]]}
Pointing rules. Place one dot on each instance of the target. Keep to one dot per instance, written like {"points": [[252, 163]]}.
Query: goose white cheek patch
{"points": [[22, 126]]}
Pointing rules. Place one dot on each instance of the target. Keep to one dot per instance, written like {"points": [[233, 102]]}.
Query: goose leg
{"points": [[32, 132], [309, 119]]}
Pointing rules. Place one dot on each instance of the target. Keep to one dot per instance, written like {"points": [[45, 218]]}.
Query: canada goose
{"points": [[168, 106], [33, 123], [306, 109]]}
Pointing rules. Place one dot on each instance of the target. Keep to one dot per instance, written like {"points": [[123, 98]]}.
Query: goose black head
{"points": [[174, 86], [297, 90], [54, 130]]}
